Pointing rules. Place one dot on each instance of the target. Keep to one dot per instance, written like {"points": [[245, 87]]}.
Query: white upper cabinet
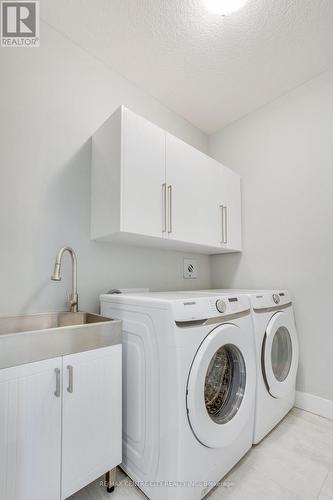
{"points": [[128, 175], [150, 188], [230, 209], [143, 175], [192, 194]]}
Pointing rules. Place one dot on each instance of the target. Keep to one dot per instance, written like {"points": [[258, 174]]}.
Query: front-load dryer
{"points": [[188, 389], [277, 354]]}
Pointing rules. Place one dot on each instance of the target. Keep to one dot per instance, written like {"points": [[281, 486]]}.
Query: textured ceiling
{"points": [[209, 69]]}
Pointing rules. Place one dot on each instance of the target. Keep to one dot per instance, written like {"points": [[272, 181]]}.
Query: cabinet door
{"points": [[30, 431], [143, 176], [91, 437], [230, 209], [193, 194]]}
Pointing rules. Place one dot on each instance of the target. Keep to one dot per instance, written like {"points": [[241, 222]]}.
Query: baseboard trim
{"points": [[314, 404]]}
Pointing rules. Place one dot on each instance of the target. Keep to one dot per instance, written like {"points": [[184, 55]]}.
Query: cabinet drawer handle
{"points": [[164, 222], [57, 391], [70, 379], [224, 223], [170, 209]]}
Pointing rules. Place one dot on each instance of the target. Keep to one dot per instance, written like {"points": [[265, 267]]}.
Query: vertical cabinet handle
{"points": [[57, 390], [224, 223], [164, 222], [170, 209], [70, 379]]}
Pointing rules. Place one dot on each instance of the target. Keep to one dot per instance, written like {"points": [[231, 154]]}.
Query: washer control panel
{"points": [[268, 299], [184, 306], [205, 307]]}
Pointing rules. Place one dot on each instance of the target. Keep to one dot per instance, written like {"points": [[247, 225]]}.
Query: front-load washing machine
{"points": [[277, 355], [189, 380]]}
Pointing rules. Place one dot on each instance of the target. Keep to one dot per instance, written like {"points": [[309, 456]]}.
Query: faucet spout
{"points": [[56, 276]]}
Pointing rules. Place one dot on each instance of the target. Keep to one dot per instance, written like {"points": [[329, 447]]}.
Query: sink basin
{"points": [[45, 321], [26, 339]]}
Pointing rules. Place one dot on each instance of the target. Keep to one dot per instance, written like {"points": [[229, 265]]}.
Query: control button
{"points": [[221, 306], [276, 298]]}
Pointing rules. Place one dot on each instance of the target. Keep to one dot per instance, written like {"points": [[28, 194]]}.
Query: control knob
{"points": [[276, 298], [221, 306]]}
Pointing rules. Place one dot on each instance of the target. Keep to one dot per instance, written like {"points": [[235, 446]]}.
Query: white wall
{"points": [[284, 153], [51, 100], [54, 97]]}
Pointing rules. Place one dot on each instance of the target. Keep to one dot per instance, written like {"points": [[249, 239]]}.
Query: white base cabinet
{"points": [[30, 432], [92, 416], [60, 427], [150, 188]]}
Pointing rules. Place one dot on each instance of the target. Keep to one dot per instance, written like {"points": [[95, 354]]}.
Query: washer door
{"points": [[280, 355], [217, 405]]}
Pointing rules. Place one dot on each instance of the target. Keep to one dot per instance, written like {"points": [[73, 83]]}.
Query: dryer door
{"points": [[280, 355], [219, 396]]}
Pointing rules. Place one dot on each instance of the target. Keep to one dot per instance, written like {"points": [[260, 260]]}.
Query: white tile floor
{"points": [[295, 462]]}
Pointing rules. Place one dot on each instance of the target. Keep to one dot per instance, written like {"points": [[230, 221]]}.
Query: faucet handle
{"points": [[72, 301], [69, 298]]}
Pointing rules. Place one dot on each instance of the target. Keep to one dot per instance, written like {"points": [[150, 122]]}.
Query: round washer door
{"points": [[280, 355], [218, 403]]}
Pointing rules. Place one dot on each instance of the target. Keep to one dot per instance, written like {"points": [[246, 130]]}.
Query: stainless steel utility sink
{"points": [[26, 339]]}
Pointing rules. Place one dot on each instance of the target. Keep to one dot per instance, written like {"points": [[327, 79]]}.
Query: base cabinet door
{"points": [[91, 437], [30, 431]]}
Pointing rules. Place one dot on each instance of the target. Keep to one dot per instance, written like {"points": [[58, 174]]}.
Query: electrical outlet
{"points": [[190, 269]]}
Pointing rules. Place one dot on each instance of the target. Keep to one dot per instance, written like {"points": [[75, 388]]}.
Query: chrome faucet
{"points": [[73, 299]]}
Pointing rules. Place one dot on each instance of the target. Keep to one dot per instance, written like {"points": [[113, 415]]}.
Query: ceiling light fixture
{"points": [[224, 7]]}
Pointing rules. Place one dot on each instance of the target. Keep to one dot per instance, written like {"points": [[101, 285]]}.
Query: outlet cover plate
{"points": [[190, 269]]}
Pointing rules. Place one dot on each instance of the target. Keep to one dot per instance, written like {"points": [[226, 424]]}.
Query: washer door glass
{"points": [[221, 386], [281, 353], [225, 384]]}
